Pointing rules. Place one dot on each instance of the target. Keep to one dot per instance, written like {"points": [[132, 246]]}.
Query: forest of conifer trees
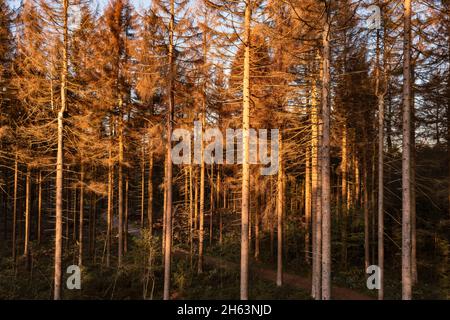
{"points": [[225, 149]]}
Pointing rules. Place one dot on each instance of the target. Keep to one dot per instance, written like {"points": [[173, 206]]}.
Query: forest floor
{"points": [[267, 274], [219, 280], [264, 273]]}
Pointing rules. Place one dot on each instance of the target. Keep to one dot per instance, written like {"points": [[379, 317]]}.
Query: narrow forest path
{"points": [[295, 281]]}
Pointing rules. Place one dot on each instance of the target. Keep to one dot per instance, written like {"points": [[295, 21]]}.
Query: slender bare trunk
{"points": [[27, 213], [142, 187], [406, 158], [186, 186], [325, 155], [372, 197], [201, 230], [366, 213], [14, 222], [448, 104], [218, 183], [211, 205], [307, 204], [271, 222], [59, 204], [39, 231], [74, 215], [245, 160], [66, 217], [164, 208], [413, 183], [80, 231], [3, 204], [60, 157], [168, 231], [110, 208], [94, 227], [257, 223], [357, 184], [196, 200], [125, 236], [91, 223], [150, 196], [380, 100], [345, 203], [120, 188], [280, 200], [191, 211], [316, 197], [225, 193], [381, 194]]}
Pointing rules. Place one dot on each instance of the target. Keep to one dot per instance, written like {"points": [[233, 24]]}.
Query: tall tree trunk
{"points": [[91, 223], [316, 199], [125, 236], [280, 202], [164, 208], [357, 184], [307, 204], [406, 158], [325, 155], [413, 182], [120, 187], [150, 196], [389, 120], [380, 99], [80, 231], [110, 207], [366, 212], [271, 222], [345, 203], [201, 230], [168, 233], [195, 199], [211, 205], [186, 186], [60, 156], [257, 223], [225, 193], [5, 201], [354, 195], [218, 183], [27, 213], [142, 187], [74, 215], [40, 222], [245, 160], [66, 220], [94, 228], [448, 104], [372, 197], [14, 223], [191, 213], [381, 195]]}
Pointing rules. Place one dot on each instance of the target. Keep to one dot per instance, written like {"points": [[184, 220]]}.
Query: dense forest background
{"points": [[89, 97]]}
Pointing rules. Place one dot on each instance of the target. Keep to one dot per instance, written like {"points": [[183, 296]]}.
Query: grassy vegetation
{"points": [[33, 277], [99, 282]]}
